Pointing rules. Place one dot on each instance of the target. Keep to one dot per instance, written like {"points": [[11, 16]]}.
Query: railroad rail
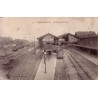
{"points": [[10, 58], [78, 68], [21, 72], [77, 62], [89, 49], [93, 66], [75, 67]]}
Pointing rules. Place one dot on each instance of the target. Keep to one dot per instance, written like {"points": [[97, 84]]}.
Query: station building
{"points": [[88, 41], [48, 39], [87, 38], [67, 39]]}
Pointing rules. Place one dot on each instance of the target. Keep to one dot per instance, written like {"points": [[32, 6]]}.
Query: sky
{"points": [[28, 27]]}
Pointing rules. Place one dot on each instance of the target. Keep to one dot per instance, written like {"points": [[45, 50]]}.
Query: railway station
{"points": [[29, 55], [63, 57]]}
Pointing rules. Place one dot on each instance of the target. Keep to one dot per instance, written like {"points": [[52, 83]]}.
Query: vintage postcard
{"points": [[48, 48]]}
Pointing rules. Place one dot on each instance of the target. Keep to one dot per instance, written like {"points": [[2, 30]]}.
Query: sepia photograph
{"points": [[48, 48]]}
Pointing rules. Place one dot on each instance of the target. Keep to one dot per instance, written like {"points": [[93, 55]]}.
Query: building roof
{"points": [[41, 37], [62, 36], [72, 35], [85, 34], [66, 35]]}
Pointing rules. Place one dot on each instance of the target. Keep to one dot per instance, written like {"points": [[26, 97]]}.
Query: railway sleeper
{"points": [[87, 70]]}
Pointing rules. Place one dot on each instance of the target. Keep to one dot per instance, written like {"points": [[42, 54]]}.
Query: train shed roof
{"points": [[85, 34], [41, 37], [66, 35], [62, 36]]}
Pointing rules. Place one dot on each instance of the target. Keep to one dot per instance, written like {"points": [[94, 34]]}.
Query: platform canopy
{"points": [[85, 34]]}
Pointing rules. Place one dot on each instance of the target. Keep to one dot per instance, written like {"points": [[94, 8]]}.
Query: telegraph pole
{"points": [[45, 59], [34, 44]]}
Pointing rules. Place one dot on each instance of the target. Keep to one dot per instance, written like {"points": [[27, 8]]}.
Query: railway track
{"points": [[22, 71], [82, 56], [20, 52], [14, 74], [30, 71], [36, 63], [60, 71], [16, 57], [16, 61], [65, 69], [82, 75], [81, 65], [91, 68], [71, 68], [75, 67]]}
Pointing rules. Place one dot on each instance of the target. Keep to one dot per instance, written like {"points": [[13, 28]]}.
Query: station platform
{"points": [[50, 68]]}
